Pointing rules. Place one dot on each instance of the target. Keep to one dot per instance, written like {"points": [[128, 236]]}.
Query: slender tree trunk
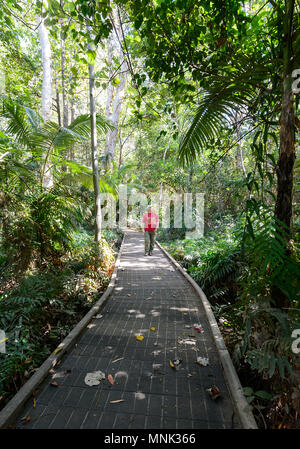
{"points": [[47, 177], [285, 165], [97, 200], [58, 105], [283, 207], [63, 76], [239, 157], [111, 138], [116, 114], [72, 119], [109, 93]]}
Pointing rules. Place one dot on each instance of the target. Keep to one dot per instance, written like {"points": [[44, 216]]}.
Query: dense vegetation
{"points": [[161, 95]]}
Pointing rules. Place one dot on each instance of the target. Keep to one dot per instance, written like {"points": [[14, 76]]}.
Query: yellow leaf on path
{"points": [[139, 337], [129, 294], [57, 350], [172, 365], [153, 329]]}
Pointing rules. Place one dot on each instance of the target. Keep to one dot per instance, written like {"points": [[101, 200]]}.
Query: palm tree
{"points": [[47, 141], [242, 87]]}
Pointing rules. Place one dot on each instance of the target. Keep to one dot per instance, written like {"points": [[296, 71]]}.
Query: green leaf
{"points": [[248, 391], [263, 395]]}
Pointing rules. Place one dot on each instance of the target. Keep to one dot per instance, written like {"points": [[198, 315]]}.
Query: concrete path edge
{"points": [[236, 390], [15, 405]]}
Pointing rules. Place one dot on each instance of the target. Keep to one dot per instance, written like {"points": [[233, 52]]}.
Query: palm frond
{"points": [[82, 125], [217, 106], [85, 178], [18, 124], [33, 117]]}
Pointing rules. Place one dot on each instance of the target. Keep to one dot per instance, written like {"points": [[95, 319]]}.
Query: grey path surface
{"points": [[149, 293]]}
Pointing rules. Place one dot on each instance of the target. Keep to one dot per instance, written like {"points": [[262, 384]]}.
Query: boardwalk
{"points": [[153, 300]]}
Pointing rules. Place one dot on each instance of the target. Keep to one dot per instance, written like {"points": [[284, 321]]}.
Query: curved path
{"points": [[151, 299]]}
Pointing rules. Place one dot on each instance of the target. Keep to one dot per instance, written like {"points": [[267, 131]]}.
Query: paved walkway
{"points": [[151, 299]]}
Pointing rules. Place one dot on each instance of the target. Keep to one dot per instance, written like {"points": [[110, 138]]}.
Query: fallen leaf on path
{"points": [[117, 401], [26, 419], [153, 329], [198, 328], [192, 335], [34, 402], [117, 360], [129, 294], [57, 350], [214, 392], [110, 379], [202, 361], [177, 362], [172, 365], [187, 341], [54, 384], [139, 337], [94, 378]]}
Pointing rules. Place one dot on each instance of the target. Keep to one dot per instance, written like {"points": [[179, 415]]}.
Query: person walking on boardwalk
{"points": [[149, 225]]}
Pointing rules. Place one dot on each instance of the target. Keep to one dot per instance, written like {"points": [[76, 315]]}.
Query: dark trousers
{"points": [[149, 241]]}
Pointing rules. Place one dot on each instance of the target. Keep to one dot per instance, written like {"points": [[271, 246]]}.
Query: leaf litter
{"points": [[94, 378], [214, 392]]}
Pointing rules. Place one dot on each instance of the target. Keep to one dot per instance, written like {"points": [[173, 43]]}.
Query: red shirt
{"points": [[151, 221]]}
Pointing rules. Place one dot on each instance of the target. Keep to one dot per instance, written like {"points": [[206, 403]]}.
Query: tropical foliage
{"points": [[164, 96]]}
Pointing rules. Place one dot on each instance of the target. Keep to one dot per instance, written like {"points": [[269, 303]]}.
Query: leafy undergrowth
{"points": [[38, 310], [257, 335]]}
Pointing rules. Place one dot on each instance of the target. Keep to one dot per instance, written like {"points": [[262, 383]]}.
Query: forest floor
{"points": [[214, 262], [41, 307]]}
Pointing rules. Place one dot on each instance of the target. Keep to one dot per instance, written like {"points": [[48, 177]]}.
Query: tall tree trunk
{"points": [[72, 118], [57, 104], [285, 165], [109, 92], [111, 138], [239, 156], [47, 177], [63, 75], [116, 114], [94, 153]]}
